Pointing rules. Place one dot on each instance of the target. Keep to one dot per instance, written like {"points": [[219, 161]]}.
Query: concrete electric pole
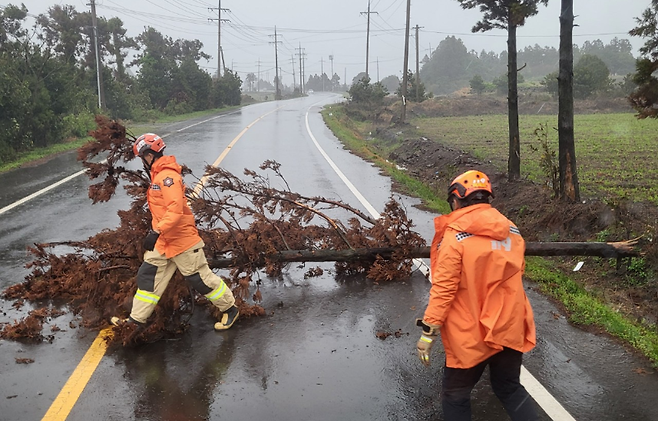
{"points": [[406, 65], [99, 75], [220, 53], [368, 13], [277, 95]]}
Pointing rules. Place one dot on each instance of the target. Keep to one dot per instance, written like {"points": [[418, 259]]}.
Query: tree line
{"points": [[451, 66], [50, 89]]}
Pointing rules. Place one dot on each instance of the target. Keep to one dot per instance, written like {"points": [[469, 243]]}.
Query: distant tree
{"points": [[250, 79], [617, 55], [550, 82], [359, 77], [645, 97], [590, 75], [118, 45], [502, 83], [412, 88], [509, 15], [335, 82], [538, 61], [627, 85], [363, 92], [63, 32], [391, 83], [226, 89], [477, 84], [448, 68]]}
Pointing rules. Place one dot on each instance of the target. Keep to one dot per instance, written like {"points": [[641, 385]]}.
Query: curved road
{"points": [[315, 355]]}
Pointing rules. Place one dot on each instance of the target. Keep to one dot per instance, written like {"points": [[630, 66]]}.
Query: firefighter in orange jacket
{"points": [[477, 302], [174, 242]]}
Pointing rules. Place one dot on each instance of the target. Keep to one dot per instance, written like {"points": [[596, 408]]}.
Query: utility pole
{"points": [[277, 95], [301, 55], [377, 69], [99, 76], [406, 64], [367, 36], [220, 53], [322, 71], [417, 66], [331, 58], [258, 81], [292, 61]]}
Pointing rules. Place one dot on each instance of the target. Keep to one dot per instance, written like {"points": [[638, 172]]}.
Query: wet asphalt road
{"points": [[315, 356]]}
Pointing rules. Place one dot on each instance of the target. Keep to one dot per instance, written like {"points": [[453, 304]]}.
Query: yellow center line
{"points": [[225, 152], [69, 394], [61, 408]]}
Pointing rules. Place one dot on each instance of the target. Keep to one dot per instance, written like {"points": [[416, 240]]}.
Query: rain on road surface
{"points": [[315, 355]]}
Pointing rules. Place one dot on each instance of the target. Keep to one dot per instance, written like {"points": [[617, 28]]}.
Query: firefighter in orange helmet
{"points": [[477, 302], [173, 242]]}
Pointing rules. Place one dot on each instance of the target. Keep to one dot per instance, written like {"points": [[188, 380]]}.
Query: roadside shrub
{"points": [[550, 82], [7, 153], [477, 85], [363, 92], [175, 107], [548, 161], [501, 82], [78, 125]]}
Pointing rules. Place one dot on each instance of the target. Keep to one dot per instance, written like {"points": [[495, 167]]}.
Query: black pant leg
{"points": [[505, 369], [456, 391]]}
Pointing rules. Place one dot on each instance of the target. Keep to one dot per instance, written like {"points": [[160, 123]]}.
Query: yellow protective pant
{"points": [[156, 271]]}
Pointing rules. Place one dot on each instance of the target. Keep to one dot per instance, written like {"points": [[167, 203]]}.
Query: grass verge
{"points": [[36, 154], [586, 310], [583, 307]]}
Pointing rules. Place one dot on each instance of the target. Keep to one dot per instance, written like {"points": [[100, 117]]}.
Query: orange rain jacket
{"points": [[172, 216], [477, 296]]}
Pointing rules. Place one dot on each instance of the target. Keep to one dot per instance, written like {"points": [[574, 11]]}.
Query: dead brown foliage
{"points": [[244, 219]]}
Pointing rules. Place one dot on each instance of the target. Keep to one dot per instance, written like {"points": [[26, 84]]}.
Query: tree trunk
{"points": [[608, 250], [514, 160], [569, 187]]}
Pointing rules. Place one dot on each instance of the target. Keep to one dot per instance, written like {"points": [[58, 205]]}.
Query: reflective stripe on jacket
{"points": [[477, 296], [172, 216]]}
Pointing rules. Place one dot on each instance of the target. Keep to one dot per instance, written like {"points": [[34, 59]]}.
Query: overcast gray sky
{"points": [[338, 28]]}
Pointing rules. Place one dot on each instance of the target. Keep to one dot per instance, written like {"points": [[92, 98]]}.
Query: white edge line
{"points": [[420, 265], [548, 403], [543, 397], [40, 192]]}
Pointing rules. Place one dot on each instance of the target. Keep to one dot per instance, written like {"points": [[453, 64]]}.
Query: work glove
{"points": [[150, 240], [426, 341]]}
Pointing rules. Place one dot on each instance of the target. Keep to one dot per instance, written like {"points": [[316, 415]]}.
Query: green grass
{"points": [[584, 307], [616, 153]]}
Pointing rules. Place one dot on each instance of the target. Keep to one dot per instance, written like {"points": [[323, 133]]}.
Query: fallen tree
{"points": [[250, 229], [611, 250]]}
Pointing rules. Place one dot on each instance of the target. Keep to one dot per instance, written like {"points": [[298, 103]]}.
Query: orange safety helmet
{"points": [[468, 183], [148, 142]]}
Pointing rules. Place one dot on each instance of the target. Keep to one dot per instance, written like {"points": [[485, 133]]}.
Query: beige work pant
{"points": [[156, 271]]}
